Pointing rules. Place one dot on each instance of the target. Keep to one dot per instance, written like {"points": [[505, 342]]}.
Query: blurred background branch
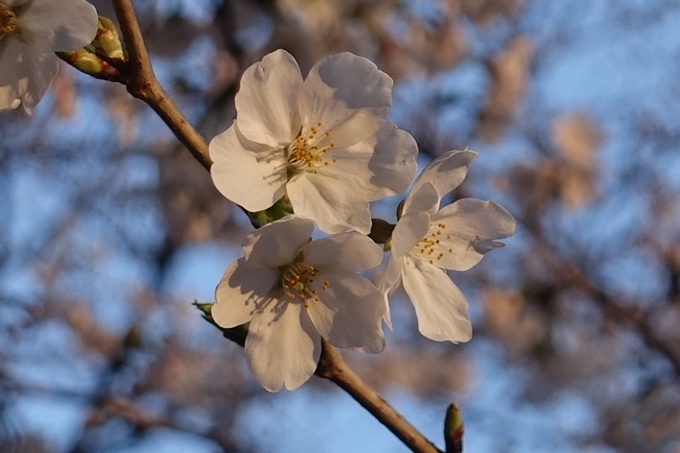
{"points": [[107, 227]]}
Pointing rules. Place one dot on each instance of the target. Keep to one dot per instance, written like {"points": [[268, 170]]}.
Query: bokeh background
{"points": [[109, 231]]}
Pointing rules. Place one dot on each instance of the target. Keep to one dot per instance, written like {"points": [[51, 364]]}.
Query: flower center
{"points": [[8, 20], [431, 246], [309, 151], [297, 280]]}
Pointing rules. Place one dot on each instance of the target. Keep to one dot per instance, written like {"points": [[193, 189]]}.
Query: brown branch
{"points": [[142, 84], [334, 368], [622, 313]]}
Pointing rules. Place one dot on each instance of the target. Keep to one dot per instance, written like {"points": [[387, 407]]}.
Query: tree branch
{"points": [[628, 314], [334, 368], [142, 84]]}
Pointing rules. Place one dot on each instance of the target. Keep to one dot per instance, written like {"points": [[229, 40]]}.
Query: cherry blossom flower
{"points": [[322, 141], [30, 32], [427, 240], [294, 291]]}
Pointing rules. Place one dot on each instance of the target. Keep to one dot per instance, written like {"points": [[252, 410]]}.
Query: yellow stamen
{"points": [[8, 20]]}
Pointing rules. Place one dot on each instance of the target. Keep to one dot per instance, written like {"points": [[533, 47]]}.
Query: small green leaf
{"points": [[236, 334]]}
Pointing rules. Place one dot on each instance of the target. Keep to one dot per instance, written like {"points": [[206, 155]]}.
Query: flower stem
{"points": [[142, 84]]}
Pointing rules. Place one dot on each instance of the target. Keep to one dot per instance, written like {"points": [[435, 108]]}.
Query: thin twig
{"points": [[142, 84], [334, 368], [622, 313]]}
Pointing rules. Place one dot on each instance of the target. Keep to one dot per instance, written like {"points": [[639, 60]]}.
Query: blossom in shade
{"points": [[294, 291], [30, 32], [322, 141], [428, 240]]}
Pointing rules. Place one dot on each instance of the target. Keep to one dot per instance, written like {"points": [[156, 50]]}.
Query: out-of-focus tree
{"points": [[109, 229]]}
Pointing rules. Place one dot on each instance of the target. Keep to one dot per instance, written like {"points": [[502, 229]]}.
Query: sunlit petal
{"points": [[383, 164], [351, 252], [349, 311], [466, 230], [440, 306], [283, 346], [423, 198], [446, 172], [348, 95], [267, 103], [249, 174], [277, 243], [333, 205], [387, 279], [410, 229], [242, 291]]}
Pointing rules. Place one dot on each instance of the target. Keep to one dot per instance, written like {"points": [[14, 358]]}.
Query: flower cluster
{"points": [[30, 32], [323, 145]]}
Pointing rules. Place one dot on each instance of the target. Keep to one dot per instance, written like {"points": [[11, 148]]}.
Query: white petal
{"points": [[351, 252], [24, 74], [277, 243], [348, 95], [249, 174], [349, 312], [423, 198], [387, 279], [440, 306], [446, 172], [471, 227], [383, 164], [410, 229], [282, 347], [51, 26], [242, 291], [266, 103], [331, 203]]}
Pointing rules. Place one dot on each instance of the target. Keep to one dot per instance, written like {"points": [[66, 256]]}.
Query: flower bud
{"points": [[107, 40], [453, 429], [84, 61]]}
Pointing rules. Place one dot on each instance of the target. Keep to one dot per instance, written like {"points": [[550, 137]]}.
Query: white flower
{"points": [[322, 141], [30, 32], [293, 292], [427, 240]]}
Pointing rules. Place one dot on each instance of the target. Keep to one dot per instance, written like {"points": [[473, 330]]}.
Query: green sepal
{"points": [[279, 210], [453, 429], [236, 334]]}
